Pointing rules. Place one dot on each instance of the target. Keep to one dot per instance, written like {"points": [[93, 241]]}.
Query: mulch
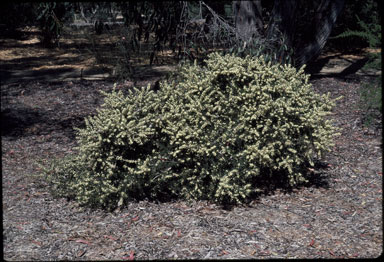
{"points": [[337, 215]]}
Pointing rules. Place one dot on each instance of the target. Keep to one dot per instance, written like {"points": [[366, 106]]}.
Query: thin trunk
{"points": [[248, 19], [320, 29], [282, 21]]}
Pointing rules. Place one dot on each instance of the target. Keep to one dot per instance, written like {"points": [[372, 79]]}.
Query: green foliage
{"points": [[367, 11], [60, 174], [114, 153], [273, 50], [370, 32], [208, 134], [205, 27], [240, 118], [368, 29], [372, 101], [51, 16]]}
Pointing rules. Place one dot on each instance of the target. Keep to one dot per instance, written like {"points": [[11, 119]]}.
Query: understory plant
{"points": [[370, 32], [209, 133]]}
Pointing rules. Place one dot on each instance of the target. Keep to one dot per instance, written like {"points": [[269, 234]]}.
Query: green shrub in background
{"points": [[208, 134], [371, 101], [370, 32]]}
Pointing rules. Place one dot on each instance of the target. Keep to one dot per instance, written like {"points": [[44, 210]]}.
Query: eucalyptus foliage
{"points": [[209, 133]]}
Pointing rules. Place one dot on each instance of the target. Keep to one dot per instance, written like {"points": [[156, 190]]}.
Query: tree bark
{"points": [[249, 24], [319, 31], [282, 23], [248, 19]]}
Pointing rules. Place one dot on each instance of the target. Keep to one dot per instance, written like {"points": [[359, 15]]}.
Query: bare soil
{"points": [[337, 215], [76, 58]]}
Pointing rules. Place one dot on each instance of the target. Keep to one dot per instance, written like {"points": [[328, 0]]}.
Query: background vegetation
{"points": [[189, 28]]}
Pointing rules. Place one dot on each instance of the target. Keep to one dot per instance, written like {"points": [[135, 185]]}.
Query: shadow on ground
{"points": [[337, 66], [25, 121]]}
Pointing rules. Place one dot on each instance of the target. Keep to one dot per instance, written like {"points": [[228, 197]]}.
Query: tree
{"points": [[248, 19], [51, 18], [294, 29], [304, 26]]}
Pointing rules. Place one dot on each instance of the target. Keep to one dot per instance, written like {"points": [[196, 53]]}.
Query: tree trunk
{"points": [[248, 19], [282, 23], [319, 31]]}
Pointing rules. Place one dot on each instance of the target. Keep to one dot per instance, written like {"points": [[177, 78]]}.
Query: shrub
{"points": [[114, 152], [238, 118], [371, 101], [208, 134], [370, 32]]}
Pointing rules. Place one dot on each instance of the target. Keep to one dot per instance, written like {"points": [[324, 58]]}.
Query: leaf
{"points": [[111, 237], [52, 26], [36, 242], [42, 13], [312, 243], [81, 253], [131, 256], [120, 202], [83, 241]]}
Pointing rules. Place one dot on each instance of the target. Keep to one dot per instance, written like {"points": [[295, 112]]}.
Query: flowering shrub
{"points": [[208, 134]]}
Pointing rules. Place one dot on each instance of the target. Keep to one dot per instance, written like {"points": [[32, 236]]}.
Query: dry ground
{"points": [[25, 59], [76, 58]]}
